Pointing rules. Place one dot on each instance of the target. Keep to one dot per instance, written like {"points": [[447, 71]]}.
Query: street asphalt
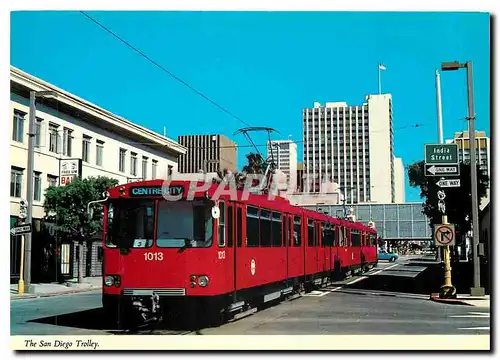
{"points": [[342, 308]]}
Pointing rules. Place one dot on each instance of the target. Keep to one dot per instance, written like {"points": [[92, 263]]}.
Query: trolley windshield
{"points": [[131, 223]]}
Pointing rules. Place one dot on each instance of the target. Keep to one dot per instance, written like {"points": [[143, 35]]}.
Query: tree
{"points": [[255, 165], [66, 207], [458, 200]]}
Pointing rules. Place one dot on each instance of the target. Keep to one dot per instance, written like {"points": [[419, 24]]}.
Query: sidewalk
{"points": [[52, 289], [465, 299]]}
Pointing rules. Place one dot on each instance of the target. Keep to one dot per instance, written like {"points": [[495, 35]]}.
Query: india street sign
{"points": [[21, 229], [442, 154], [442, 170], [448, 183], [444, 234]]}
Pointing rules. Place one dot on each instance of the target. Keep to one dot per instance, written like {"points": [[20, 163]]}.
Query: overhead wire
{"points": [[240, 146], [163, 68]]}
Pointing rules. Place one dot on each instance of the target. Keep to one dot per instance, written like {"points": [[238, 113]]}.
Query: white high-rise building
{"points": [[399, 180], [482, 155], [285, 157], [351, 146]]}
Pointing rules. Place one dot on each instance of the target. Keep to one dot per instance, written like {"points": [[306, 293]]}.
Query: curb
{"points": [[449, 301], [66, 292]]}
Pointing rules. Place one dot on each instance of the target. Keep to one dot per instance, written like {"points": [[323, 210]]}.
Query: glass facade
{"points": [[392, 221]]}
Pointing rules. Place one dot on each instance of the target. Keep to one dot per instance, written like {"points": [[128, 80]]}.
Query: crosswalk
{"points": [[472, 314], [476, 315]]}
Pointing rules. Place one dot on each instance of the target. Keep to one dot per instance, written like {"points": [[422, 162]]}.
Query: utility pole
{"points": [[477, 290], [440, 134], [30, 178], [29, 195]]}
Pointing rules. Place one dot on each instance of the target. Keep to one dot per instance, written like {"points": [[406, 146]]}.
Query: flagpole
{"points": [[379, 81]]}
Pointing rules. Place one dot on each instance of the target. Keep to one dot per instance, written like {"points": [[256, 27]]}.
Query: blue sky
{"points": [[264, 67]]}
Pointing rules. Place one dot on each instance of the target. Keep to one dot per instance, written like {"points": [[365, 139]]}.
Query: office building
{"points": [[351, 146], [482, 149], [300, 177], [284, 153], [399, 181], [207, 153], [73, 137]]}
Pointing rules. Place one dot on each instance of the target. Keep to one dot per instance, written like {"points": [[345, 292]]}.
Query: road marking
{"points": [[476, 328], [337, 288], [320, 293], [472, 315], [358, 279], [385, 268], [480, 313]]}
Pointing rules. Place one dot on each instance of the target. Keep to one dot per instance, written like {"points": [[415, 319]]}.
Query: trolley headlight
{"points": [[203, 280], [109, 280]]}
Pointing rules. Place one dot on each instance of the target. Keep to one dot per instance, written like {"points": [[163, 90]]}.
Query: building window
{"points": [[144, 168], [170, 171], [54, 142], [154, 168], [38, 132], [67, 141], [37, 186], [16, 181], [18, 126], [133, 164], [52, 180], [86, 148], [99, 148], [121, 165]]}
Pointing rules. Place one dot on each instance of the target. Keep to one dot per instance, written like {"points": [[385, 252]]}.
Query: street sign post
{"points": [[444, 234], [448, 183], [21, 229], [441, 160]]}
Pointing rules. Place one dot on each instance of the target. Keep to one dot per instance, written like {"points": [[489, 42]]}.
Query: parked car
{"points": [[384, 255]]}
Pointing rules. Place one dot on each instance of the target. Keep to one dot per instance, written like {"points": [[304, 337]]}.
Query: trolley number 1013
{"points": [[153, 256]]}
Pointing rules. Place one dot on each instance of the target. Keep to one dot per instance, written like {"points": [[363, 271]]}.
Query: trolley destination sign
{"points": [[138, 191]]}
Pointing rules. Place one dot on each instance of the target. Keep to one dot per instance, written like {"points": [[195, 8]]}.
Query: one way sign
{"points": [[443, 183], [442, 170], [21, 229]]}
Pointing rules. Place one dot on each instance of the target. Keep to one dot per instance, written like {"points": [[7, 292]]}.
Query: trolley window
{"points": [[310, 233], [265, 228], [328, 236], [185, 224], [325, 227], [222, 225], [252, 227], [239, 230], [297, 239], [355, 239], [230, 226], [130, 224], [341, 236], [276, 229]]}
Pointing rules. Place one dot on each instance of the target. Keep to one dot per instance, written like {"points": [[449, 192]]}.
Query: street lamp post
{"points": [[477, 290], [29, 194]]}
